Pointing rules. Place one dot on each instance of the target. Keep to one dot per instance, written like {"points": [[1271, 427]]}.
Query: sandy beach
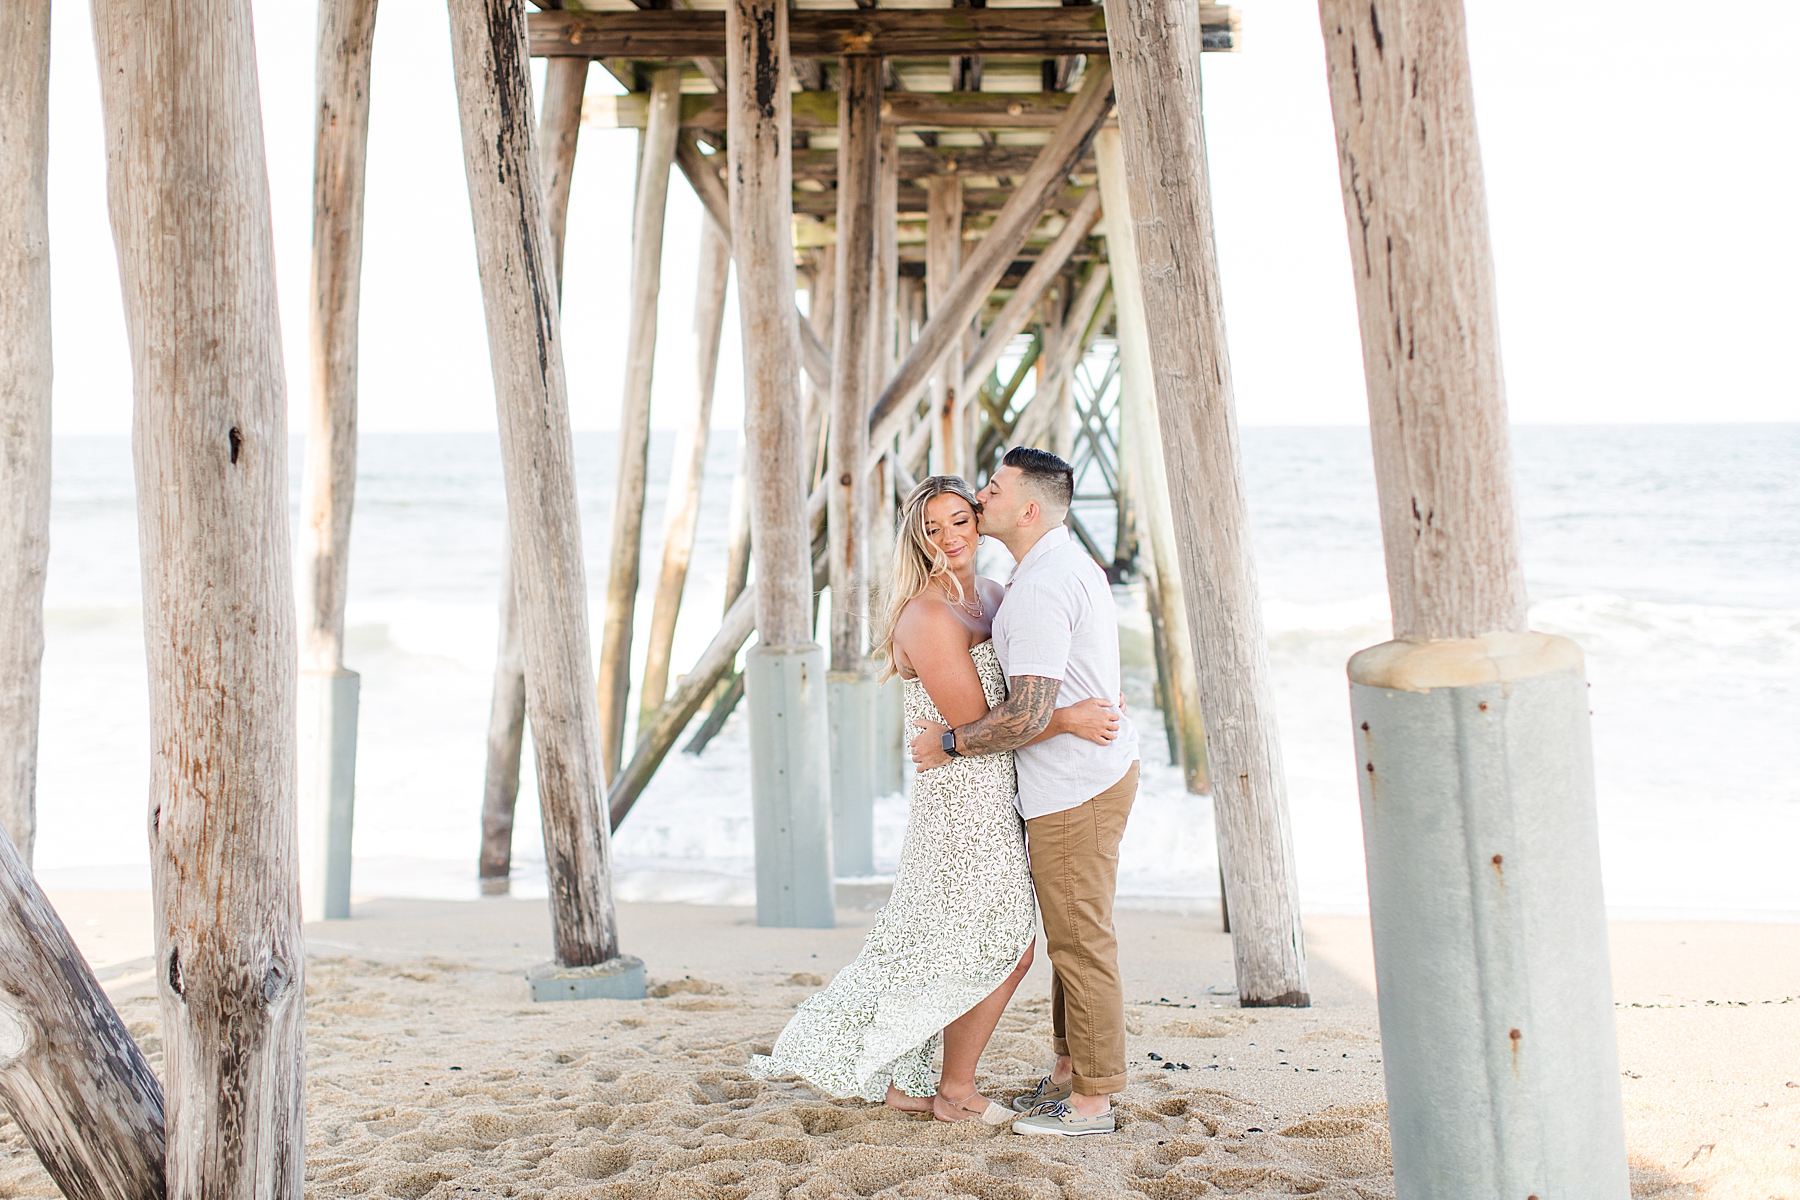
{"points": [[430, 1073]]}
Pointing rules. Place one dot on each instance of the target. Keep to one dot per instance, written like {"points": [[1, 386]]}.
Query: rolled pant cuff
{"points": [[1059, 1047], [1104, 1085]]}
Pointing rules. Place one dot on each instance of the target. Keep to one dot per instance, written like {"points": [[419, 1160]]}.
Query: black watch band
{"points": [[949, 743]]}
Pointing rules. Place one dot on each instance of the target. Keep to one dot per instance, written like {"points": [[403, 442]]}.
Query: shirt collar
{"points": [[1059, 536]]}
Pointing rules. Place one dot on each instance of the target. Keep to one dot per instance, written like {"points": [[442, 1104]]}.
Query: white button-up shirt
{"points": [[1058, 622]]}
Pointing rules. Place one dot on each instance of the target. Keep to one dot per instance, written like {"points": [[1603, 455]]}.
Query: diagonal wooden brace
{"points": [[996, 249], [1031, 289]]}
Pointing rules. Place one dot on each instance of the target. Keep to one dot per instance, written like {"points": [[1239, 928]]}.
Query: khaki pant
{"points": [[1075, 867]]}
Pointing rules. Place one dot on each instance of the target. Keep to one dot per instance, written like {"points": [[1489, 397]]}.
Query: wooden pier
{"points": [[1001, 220]]}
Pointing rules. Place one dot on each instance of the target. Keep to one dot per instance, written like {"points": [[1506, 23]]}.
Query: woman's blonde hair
{"points": [[916, 561]]}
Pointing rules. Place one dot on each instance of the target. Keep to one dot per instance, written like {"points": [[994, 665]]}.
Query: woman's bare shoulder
{"points": [[925, 615]]}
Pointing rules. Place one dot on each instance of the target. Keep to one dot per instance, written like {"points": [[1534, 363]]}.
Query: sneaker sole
{"points": [[1042, 1131]]}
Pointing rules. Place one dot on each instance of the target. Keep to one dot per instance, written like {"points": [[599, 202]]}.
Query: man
{"points": [[1057, 638]]}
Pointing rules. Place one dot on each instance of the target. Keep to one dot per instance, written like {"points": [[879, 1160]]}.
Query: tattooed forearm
{"points": [[1015, 720]]}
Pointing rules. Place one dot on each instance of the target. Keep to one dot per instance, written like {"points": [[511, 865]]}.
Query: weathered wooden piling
{"points": [[505, 738], [71, 1078], [513, 253], [851, 686], [886, 283], [943, 259], [634, 412], [25, 369], [559, 132], [1154, 55], [1474, 759], [790, 764], [888, 770], [328, 692], [1138, 391], [821, 322], [189, 202], [688, 467]]}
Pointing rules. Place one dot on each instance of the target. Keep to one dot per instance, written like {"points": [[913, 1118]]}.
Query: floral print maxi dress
{"points": [[961, 915]]}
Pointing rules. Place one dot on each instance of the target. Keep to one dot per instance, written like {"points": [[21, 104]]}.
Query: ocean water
{"points": [[1671, 553]]}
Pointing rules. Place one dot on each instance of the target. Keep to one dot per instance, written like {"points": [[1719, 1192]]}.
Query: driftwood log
{"points": [[1171, 208], [71, 1078], [24, 402], [188, 193], [518, 280]]}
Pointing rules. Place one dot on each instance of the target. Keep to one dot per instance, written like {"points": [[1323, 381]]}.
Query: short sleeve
{"points": [[1039, 627]]}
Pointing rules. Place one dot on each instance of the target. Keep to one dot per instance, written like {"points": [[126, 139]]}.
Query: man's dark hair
{"points": [[1053, 478]]}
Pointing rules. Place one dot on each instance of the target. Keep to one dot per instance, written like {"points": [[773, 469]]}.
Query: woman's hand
{"points": [[928, 745], [1094, 720]]}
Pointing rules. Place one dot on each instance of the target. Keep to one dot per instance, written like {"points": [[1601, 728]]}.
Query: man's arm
{"points": [[1007, 726], [1015, 720]]}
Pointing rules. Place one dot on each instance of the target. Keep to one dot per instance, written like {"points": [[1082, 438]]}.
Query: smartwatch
{"points": [[949, 743]]}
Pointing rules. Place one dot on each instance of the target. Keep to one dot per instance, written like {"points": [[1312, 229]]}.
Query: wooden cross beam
{"points": [[907, 33], [925, 161], [819, 110], [911, 201]]}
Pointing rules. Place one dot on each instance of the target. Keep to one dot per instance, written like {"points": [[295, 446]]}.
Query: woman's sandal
{"points": [[992, 1114]]}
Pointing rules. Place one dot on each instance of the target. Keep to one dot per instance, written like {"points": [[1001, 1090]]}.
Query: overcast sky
{"points": [[1642, 166]]}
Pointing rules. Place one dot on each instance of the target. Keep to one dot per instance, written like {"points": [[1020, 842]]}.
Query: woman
{"points": [[956, 936]]}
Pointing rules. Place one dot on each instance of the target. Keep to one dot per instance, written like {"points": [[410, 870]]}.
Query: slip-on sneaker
{"points": [[1045, 1092], [1058, 1119]]}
